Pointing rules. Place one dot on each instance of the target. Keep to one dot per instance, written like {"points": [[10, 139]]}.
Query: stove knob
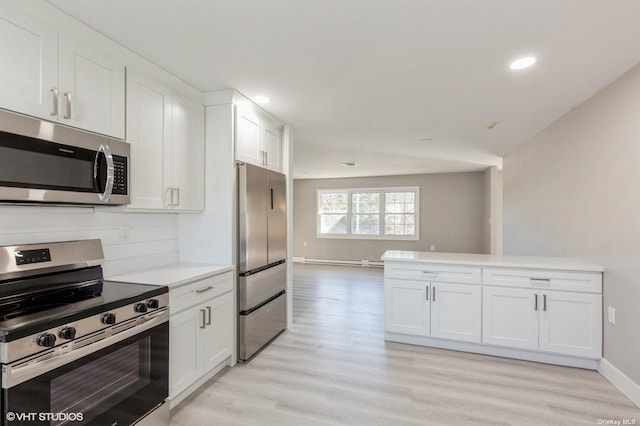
{"points": [[140, 307], [153, 303], [47, 340], [109, 318], [68, 333]]}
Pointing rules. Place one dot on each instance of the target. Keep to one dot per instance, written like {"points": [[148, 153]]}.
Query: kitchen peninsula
{"points": [[533, 308]]}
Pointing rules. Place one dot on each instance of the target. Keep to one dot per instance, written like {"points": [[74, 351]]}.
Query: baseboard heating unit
{"points": [[347, 262]]}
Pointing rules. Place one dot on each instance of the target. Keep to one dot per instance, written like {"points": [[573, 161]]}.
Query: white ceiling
{"points": [[364, 80]]}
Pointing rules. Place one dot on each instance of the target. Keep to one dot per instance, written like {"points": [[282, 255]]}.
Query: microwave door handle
{"points": [[108, 187]]}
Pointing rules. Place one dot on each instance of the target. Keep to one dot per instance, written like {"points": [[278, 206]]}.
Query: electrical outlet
{"points": [[305, 243], [125, 234], [612, 315], [432, 247]]}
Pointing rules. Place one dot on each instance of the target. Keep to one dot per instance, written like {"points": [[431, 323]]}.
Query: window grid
{"points": [[386, 213]]}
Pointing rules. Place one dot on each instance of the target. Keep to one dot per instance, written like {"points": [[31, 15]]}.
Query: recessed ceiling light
{"points": [[425, 140], [260, 99], [349, 164], [491, 125], [522, 63]]}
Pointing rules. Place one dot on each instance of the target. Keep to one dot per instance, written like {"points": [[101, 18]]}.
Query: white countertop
{"points": [[561, 263], [172, 275]]}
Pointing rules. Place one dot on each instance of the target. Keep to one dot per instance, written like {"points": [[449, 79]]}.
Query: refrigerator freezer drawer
{"points": [[256, 288], [260, 326]]}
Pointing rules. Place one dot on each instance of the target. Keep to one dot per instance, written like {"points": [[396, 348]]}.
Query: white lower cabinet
{"points": [[456, 311], [537, 313], [509, 317], [571, 324], [443, 310], [407, 309], [201, 332], [549, 321]]}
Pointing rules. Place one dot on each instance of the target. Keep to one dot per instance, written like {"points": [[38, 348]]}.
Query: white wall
{"points": [[452, 207], [153, 237], [572, 190]]}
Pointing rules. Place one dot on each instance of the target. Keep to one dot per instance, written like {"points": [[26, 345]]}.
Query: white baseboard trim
{"points": [[480, 348], [620, 380], [362, 262]]}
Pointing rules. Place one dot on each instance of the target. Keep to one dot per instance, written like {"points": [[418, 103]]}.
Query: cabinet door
{"points": [[406, 307], [185, 362], [248, 147], [456, 311], [187, 159], [510, 317], [217, 336], [29, 71], [92, 89], [149, 132], [272, 142], [571, 323]]}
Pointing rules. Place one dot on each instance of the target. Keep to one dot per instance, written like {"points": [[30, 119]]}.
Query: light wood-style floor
{"points": [[333, 367]]}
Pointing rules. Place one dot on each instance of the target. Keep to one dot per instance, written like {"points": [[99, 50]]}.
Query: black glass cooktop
{"points": [[39, 303]]}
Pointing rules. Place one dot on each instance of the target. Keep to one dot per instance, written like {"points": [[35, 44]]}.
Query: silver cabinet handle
{"points": [[54, 91], [535, 305], [203, 312], [175, 197], [540, 280], [426, 291], [202, 290], [208, 315], [263, 155], [68, 96], [544, 302], [169, 190], [433, 293]]}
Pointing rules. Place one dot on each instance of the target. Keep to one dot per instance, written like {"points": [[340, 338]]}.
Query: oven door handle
{"points": [[22, 371]]}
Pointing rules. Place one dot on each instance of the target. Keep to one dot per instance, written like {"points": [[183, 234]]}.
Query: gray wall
{"points": [[572, 190], [452, 209]]}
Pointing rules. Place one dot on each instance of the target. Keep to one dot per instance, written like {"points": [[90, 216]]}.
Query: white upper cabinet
{"points": [[187, 154], [272, 137], [29, 71], [248, 146], [166, 133], [92, 87], [258, 137], [149, 133], [54, 77]]}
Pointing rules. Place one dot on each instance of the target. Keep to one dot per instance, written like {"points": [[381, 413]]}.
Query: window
{"points": [[382, 213]]}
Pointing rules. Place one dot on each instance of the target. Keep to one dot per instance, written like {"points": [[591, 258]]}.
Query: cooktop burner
{"points": [[16, 310]]}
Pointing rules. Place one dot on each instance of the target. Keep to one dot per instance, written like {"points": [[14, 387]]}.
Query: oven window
{"points": [[40, 170], [113, 377]]}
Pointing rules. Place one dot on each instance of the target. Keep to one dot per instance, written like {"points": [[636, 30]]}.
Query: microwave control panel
{"points": [[120, 175]]}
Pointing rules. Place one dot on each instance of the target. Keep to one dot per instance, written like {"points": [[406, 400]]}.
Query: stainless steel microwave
{"points": [[44, 162]]}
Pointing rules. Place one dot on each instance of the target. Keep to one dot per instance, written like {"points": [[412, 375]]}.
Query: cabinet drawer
{"points": [[433, 272], [197, 292], [589, 282]]}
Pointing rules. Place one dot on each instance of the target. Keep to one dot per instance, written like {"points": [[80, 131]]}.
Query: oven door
{"points": [[115, 385]]}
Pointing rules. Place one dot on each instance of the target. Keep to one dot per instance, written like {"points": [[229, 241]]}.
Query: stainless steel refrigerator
{"points": [[262, 268]]}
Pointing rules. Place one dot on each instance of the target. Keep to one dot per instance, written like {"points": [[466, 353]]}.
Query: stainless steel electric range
{"points": [[76, 349]]}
